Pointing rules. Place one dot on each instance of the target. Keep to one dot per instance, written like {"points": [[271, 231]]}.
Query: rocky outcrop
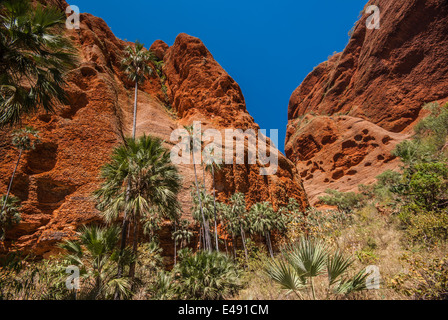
{"points": [[379, 85], [55, 182]]}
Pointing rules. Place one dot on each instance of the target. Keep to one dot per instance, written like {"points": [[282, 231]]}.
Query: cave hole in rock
{"points": [[20, 186], [51, 194], [42, 159]]}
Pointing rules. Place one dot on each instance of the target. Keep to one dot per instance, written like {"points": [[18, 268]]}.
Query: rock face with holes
{"points": [[56, 180], [350, 111]]}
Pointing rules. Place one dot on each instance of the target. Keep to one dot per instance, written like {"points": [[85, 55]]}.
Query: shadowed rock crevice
{"points": [[42, 159], [51, 194]]}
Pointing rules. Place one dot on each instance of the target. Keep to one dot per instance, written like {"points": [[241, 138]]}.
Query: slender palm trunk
{"points": [[268, 242], [125, 218], [234, 245], [313, 291], [134, 248], [200, 237], [205, 193], [243, 239], [214, 209], [134, 127], [175, 247], [206, 231], [10, 182]]}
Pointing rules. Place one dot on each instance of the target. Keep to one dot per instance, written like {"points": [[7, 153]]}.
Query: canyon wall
{"points": [[351, 111], [55, 182]]}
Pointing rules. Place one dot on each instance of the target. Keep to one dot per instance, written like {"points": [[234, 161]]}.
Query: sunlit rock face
{"points": [[55, 182], [351, 111]]}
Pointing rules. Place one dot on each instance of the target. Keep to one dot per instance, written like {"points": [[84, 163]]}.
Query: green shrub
{"points": [[345, 201], [424, 280], [206, 276]]}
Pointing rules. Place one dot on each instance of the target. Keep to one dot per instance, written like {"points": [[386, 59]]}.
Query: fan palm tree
{"points": [[34, 58], [208, 245], [206, 204], [24, 140], [136, 65], [214, 166], [181, 235], [303, 261], [9, 215], [95, 253], [238, 208], [144, 165], [262, 221]]}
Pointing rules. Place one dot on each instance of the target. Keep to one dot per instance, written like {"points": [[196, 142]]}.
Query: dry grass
{"points": [[372, 239]]}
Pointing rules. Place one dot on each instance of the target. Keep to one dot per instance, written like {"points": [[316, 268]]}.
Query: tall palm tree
{"points": [[9, 215], [136, 65], [204, 207], [213, 166], [144, 165], [239, 213], [94, 253], [190, 130], [262, 221], [181, 235], [34, 58], [24, 140]]}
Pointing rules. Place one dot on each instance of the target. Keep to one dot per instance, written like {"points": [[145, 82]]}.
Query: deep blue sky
{"points": [[268, 47]]}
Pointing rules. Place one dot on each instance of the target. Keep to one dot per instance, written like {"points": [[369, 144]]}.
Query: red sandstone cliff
{"points": [[56, 180], [350, 111]]}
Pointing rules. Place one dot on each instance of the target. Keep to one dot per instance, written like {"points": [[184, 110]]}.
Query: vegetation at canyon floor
{"points": [[398, 224]]}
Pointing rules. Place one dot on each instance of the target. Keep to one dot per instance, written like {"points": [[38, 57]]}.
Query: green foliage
{"points": [[34, 59], [422, 190], [182, 235], [345, 201], [22, 280], [25, 139], [424, 280], [136, 62], [206, 276], [263, 218], [10, 215], [307, 259], [430, 139], [313, 222], [141, 180], [206, 202], [427, 185], [96, 254]]}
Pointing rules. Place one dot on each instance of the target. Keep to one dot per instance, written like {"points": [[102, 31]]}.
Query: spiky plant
{"points": [[96, 254], [307, 259]]}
